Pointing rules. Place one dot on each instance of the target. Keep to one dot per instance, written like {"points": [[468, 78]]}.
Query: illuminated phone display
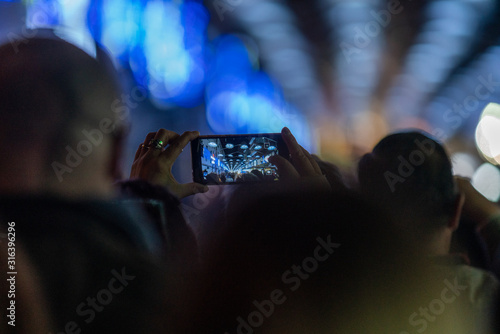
{"points": [[232, 159]]}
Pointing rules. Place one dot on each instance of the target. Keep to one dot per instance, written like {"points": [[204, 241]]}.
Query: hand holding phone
{"points": [[254, 158], [300, 162], [301, 169], [154, 159]]}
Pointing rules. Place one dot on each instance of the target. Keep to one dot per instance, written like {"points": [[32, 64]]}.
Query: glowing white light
{"points": [[488, 133], [271, 148], [258, 147], [486, 180], [463, 164], [229, 145], [244, 147], [212, 144]]}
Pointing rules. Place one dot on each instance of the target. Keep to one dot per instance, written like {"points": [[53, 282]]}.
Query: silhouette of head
{"points": [[60, 118], [410, 175]]}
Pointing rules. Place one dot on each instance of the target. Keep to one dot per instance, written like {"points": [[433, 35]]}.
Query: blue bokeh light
{"points": [[172, 60], [43, 14], [164, 44], [118, 26], [242, 99]]}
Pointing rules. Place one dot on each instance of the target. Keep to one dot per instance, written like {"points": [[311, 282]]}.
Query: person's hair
{"points": [[50, 91], [410, 175]]}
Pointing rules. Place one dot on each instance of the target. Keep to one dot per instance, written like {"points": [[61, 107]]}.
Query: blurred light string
{"points": [[458, 107], [280, 44], [241, 99], [449, 32], [284, 49], [356, 29]]}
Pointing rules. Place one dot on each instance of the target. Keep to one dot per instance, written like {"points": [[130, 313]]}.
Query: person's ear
{"points": [[457, 211]]}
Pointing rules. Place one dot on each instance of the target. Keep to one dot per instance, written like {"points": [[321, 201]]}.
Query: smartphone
{"points": [[236, 159]]}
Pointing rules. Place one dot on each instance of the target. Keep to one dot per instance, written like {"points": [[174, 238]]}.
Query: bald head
{"points": [[59, 119]]}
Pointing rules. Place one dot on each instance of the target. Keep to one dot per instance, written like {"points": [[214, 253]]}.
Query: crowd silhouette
{"points": [[99, 253]]}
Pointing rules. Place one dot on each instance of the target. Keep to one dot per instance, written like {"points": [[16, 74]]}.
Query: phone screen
{"points": [[236, 159]]}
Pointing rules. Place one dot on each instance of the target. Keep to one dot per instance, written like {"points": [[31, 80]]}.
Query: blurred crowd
{"points": [[407, 248]]}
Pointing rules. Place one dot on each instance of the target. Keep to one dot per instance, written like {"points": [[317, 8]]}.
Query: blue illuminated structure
{"points": [[164, 44], [242, 99]]}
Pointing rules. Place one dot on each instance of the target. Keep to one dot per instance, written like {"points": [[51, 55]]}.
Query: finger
{"points": [[285, 169], [139, 152], [150, 136], [165, 137], [326, 167], [299, 158], [177, 146], [312, 161], [321, 162], [331, 172]]}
